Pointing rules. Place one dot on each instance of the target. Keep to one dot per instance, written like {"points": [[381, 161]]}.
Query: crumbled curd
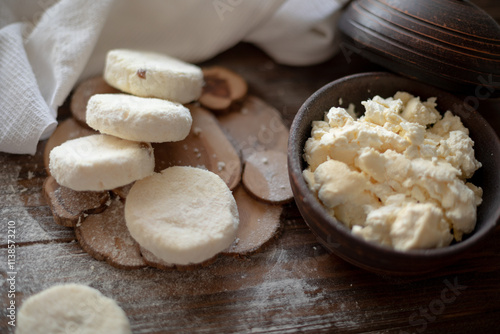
{"points": [[397, 175]]}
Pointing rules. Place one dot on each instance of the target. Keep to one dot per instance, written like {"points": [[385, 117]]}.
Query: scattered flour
{"points": [[271, 288], [14, 209]]}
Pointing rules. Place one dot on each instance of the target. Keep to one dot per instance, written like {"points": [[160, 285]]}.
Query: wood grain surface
{"points": [[292, 285]]}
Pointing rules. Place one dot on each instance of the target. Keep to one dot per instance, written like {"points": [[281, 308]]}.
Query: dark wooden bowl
{"points": [[452, 44], [333, 234]]}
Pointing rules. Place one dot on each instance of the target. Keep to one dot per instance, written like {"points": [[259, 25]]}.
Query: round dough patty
{"points": [[100, 162], [138, 118], [183, 215], [150, 74], [71, 308]]}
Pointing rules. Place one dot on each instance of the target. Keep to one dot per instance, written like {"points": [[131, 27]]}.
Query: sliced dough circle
{"points": [[71, 308], [183, 215], [138, 118], [100, 162], [150, 74], [66, 130], [153, 261]]}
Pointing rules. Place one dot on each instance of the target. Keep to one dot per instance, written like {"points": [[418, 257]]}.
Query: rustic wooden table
{"points": [[292, 285]]}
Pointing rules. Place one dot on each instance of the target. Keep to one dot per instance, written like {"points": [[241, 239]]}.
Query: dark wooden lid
{"points": [[451, 44]]}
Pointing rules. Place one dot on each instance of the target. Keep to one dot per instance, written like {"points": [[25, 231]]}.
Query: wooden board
{"points": [[292, 285]]}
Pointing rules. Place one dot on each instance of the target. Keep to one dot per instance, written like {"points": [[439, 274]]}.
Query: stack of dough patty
{"points": [[183, 215]]}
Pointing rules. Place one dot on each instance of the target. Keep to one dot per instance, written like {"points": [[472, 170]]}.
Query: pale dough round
{"points": [[183, 215], [138, 118], [151, 74], [100, 162], [71, 308]]}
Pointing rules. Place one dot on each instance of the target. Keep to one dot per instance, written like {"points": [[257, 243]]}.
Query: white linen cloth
{"points": [[47, 46]]}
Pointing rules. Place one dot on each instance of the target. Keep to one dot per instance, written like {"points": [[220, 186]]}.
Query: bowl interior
{"points": [[360, 87]]}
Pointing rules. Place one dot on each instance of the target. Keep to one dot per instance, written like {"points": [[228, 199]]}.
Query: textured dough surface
{"points": [[83, 92], [183, 215], [150, 74], [71, 308], [66, 130], [100, 162], [138, 118]]}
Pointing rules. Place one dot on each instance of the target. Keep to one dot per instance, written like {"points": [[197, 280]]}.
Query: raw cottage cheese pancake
{"points": [[150, 74]]}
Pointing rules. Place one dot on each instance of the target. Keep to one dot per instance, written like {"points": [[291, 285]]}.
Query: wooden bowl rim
{"points": [[304, 195]]}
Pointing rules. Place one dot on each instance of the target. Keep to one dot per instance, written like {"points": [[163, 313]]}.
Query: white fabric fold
{"points": [[25, 117], [60, 45], [40, 64], [47, 46], [300, 32]]}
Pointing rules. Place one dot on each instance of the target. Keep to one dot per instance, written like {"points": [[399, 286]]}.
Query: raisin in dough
{"points": [[71, 308], [149, 74], [183, 215], [100, 162], [138, 118]]}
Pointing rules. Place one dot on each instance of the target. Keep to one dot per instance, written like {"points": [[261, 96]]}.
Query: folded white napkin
{"points": [[47, 46]]}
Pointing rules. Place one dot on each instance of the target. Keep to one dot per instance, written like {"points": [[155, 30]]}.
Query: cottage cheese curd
{"points": [[397, 175]]}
